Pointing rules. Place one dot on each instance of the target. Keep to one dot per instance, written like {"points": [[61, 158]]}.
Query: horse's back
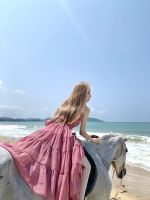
{"points": [[5, 188], [103, 185], [12, 185], [5, 160]]}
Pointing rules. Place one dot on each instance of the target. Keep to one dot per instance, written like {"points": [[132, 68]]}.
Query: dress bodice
{"points": [[75, 123]]}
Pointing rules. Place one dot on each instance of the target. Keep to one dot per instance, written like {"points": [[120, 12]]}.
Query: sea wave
{"points": [[130, 138], [16, 131], [11, 127], [138, 139]]}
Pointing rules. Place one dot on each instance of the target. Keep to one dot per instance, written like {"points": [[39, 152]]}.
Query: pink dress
{"points": [[50, 161]]}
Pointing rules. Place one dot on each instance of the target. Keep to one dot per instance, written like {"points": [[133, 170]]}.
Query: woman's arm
{"points": [[83, 132]]}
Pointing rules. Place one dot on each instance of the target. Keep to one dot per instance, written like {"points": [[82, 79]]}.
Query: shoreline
{"points": [[135, 185]]}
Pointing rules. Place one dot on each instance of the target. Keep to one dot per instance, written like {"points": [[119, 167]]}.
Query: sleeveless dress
{"points": [[50, 161]]}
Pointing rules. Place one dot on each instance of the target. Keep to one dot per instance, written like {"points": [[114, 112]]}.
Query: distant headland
{"points": [[10, 119]]}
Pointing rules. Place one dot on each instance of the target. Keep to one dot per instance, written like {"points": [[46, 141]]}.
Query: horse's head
{"points": [[119, 159], [111, 150]]}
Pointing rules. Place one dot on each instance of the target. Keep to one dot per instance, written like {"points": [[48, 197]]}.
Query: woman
{"points": [[51, 160]]}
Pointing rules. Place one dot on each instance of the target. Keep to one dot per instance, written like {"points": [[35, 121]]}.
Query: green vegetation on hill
{"points": [[19, 119], [91, 119], [4, 119]]}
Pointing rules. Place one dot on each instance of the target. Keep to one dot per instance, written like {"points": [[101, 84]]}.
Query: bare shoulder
{"points": [[86, 111]]}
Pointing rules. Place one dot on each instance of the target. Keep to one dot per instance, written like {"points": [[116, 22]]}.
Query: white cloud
{"points": [[11, 111], [1, 84], [18, 91]]}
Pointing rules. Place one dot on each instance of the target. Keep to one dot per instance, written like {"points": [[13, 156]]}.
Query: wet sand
{"points": [[135, 185]]}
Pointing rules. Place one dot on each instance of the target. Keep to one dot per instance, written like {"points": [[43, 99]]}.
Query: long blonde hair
{"points": [[73, 107]]}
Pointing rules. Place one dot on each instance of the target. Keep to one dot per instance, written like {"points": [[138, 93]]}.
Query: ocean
{"points": [[138, 134]]}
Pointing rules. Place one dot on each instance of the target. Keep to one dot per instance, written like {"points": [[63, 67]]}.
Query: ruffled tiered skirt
{"points": [[50, 162]]}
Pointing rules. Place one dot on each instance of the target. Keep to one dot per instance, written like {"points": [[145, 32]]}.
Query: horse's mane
{"points": [[106, 137]]}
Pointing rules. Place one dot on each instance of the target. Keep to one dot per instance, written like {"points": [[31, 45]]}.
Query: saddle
{"points": [[93, 173]]}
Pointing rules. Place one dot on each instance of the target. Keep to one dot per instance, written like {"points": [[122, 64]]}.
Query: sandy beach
{"points": [[7, 139], [135, 185]]}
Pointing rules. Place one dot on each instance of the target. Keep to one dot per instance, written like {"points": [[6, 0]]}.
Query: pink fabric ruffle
{"points": [[50, 161]]}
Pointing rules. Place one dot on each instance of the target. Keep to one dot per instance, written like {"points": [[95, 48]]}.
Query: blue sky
{"points": [[46, 47]]}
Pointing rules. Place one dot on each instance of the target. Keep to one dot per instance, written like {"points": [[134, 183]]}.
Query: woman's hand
{"points": [[95, 139]]}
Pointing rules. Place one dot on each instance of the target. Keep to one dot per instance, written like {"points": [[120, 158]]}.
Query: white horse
{"points": [[112, 149]]}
